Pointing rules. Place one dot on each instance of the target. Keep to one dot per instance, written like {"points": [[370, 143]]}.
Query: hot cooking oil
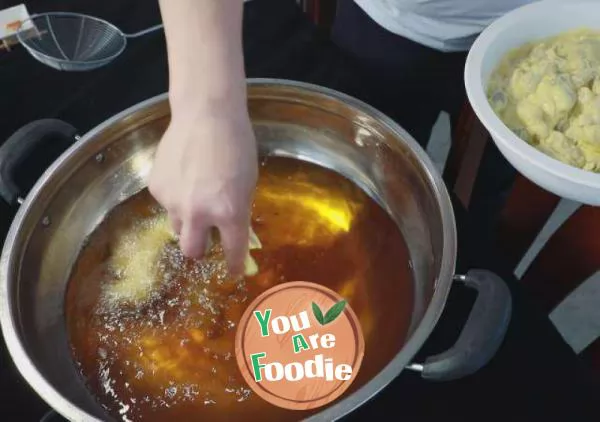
{"points": [[172, 357]]}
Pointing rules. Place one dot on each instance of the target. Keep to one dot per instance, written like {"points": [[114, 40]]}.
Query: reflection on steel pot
{"points": [[294, 120]]}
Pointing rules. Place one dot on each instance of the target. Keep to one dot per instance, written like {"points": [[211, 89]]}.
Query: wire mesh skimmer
{"points": [[73, 41]]}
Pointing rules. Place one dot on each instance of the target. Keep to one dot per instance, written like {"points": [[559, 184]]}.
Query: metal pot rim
{"points": [[434, 310]]}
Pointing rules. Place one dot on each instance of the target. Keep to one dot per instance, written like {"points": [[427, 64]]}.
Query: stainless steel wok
{"points": [[111, 162]]}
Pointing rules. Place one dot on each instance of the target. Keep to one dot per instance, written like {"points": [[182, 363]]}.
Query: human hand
{"points": [[204, 174]]}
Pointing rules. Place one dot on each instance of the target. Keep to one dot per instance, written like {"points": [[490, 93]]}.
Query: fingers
{"points": [[176, 223], [234, 239], [194, 232], [192, 224], [193, 237]]}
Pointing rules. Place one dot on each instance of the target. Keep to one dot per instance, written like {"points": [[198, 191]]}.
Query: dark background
{"points": [[535, 375], [31, 90]]}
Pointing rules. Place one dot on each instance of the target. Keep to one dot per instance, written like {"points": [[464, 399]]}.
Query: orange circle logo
{"points": [[299, 345]]}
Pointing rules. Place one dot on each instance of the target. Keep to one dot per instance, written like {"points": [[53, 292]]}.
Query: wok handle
{"points": [[21, 145], [482, 334]]}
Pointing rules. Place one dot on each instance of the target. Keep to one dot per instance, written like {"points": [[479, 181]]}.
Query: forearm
{"points": [[204, 44]]}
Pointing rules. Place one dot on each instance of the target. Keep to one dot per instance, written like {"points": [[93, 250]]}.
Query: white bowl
{"points": [[530, 23]]}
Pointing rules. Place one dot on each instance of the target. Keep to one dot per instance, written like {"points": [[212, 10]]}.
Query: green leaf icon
{"points": [[334, 312], [317, 312], [331, 314]]}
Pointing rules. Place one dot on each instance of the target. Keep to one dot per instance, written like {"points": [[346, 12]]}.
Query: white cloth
{"points": [[445, 25]]}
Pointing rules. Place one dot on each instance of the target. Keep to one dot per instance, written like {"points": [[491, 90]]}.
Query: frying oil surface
{"points": [[173, 357]]}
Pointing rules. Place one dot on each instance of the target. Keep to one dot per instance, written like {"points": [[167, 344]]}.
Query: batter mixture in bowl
{"points": [[548, 93], [171, 355]]}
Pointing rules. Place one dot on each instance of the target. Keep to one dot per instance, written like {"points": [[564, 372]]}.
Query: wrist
{"points": [[197, 101], [216, 85], [195, 108]]}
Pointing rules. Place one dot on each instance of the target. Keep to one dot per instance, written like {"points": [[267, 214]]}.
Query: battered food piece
{"points": [[136, 260], [250, 267]]}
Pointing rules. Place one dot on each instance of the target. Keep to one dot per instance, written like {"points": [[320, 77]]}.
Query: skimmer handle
{"points": [[145, 31]]}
